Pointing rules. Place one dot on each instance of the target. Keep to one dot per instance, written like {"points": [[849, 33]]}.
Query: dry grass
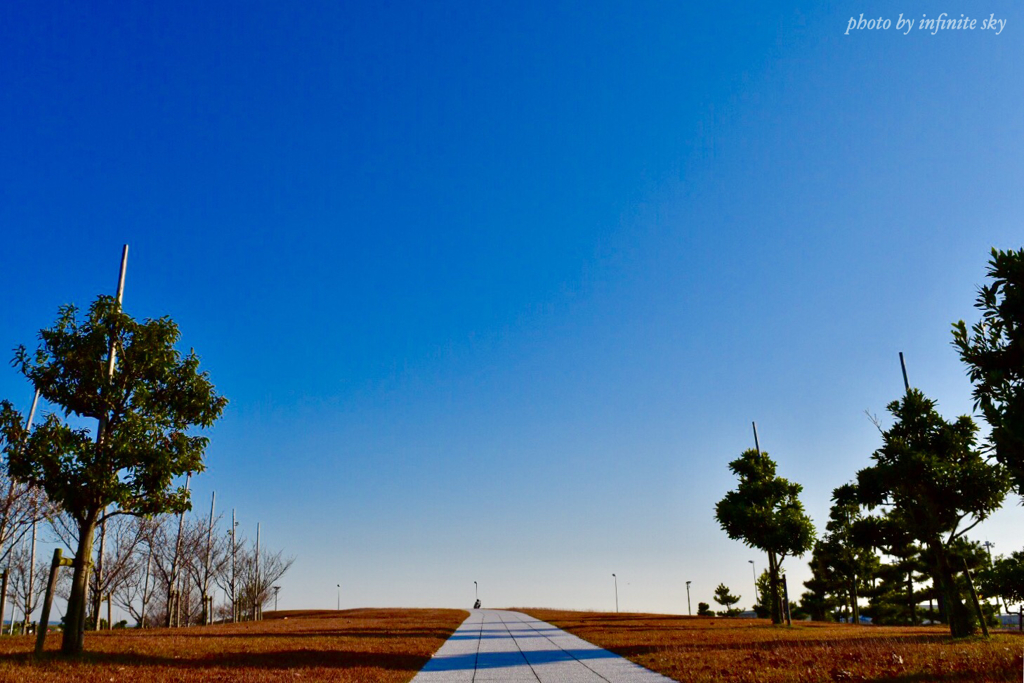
{"points": [[348, 646], [702, 650]]}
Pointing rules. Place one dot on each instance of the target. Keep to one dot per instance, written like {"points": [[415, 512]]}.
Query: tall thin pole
{"points": [[757, 445], [753, 570], [339, 597], [102, 428], [476, 591], [120, 301], [145, 587], [259, 592], [903, 366], [234, 606], [174, 562], [32, 412], [689, 611], [616, 592], [209, 551], [31, 579], [99, 572]]}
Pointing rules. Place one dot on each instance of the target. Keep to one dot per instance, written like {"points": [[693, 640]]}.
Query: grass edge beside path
{"points": [[348, 646], [711, 650]]}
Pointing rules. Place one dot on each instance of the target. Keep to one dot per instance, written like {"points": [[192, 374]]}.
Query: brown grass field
{"points": [[702, 649], [362, 645]]}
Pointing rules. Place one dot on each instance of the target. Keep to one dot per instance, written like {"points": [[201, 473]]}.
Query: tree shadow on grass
{"points": [[441, 634], [274, 659]]}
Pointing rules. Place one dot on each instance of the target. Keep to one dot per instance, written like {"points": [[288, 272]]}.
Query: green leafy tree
{"points": [[726, 599], [818, 601], [1005, 578], [993, 351], [147, 409], [704, 610], [934, 484], [765, 512], [845, 563]]}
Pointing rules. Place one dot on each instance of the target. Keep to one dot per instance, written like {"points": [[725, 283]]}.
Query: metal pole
{"points": [[145, 588], [339, 597], [785, 593], [100, 434], [757, 446], [209, 551], [99, 573], [234, 606], [476, 591], [31, 579], [259, 591], [177, 551], [616, 592], [51, 587], [120, 302], [689, 611], [974, 599], [903, 366], [753, 570], [32, 411]]}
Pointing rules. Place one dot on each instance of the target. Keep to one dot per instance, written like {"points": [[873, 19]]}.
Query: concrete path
{"points": [[511, 647]]}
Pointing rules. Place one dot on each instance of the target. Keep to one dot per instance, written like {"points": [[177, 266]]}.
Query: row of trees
{"points": [[124, 476], [152, 574], [896, 534]]}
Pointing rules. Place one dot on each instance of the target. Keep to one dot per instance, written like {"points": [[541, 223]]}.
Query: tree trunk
{"points": [[74, 620], [773, 580], [960, 622]]}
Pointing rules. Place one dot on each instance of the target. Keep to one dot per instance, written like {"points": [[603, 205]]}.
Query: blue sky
{"points": [[496, 289]]}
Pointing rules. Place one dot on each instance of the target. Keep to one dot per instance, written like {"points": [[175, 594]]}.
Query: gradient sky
{"points": [[496, 289]]}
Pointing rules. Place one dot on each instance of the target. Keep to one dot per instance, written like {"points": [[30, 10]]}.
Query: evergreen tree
{"points": [[724, 598], [934, 484], [765, 512], [993, 351]]}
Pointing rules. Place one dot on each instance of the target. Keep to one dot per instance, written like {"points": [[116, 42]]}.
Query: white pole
{"points": [[31, 578], [177, 551], [145, 587], [120, 301], [259, 592], [209, 551], [234, 606]]}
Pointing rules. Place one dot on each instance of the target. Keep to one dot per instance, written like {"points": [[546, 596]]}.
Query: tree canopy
{"points": [[993, 350], [146, 404], [933, 484], [765, 512]]}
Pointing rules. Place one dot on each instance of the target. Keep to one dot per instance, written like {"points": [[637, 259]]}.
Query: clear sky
{"points": [[496, 289]]}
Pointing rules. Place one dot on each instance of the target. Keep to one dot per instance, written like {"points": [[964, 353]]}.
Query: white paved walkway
{"points": [[496, 645]]}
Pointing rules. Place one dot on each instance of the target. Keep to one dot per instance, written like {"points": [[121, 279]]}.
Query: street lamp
{"points": [[688, 610], [616, 592], [753, 569], [339, 597], [476, 590], [276, 589]]}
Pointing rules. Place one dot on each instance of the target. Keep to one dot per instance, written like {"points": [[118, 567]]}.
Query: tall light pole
{"points": [[988, 546], [689, 611], [754, 570], [616, 579], [276, 590], [339, 597], [476, 590]]}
